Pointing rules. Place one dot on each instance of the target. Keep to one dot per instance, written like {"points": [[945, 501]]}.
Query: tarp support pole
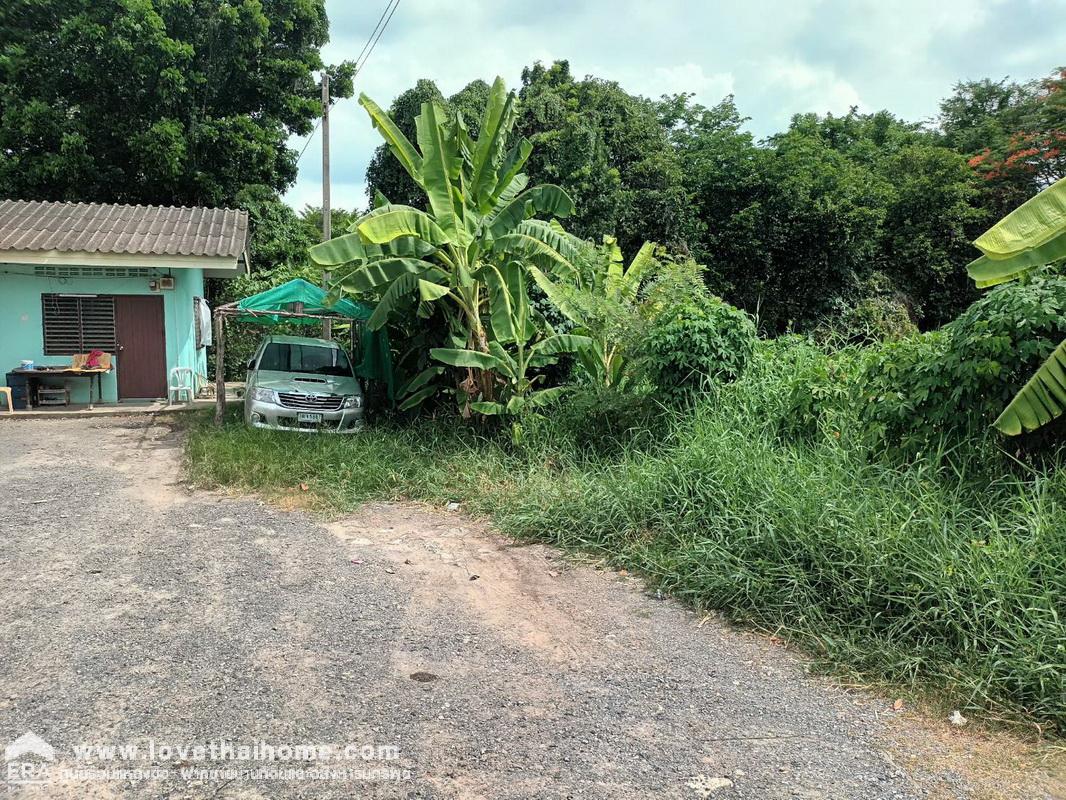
{"points": [[220, 373]]}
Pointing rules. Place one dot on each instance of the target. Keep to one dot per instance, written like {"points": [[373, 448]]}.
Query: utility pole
{"points": [[327, 231]]}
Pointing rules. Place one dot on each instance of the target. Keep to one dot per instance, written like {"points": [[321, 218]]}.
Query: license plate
{"points": [[307, 416]]}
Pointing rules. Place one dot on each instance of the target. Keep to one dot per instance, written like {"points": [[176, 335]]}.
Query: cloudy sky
{"points": [[778, 57]]}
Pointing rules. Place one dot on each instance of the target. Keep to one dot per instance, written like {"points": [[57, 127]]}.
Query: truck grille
{"points": [[321, 402]]}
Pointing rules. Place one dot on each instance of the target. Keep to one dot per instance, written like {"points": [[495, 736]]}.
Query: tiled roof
{"points": [[30, 225]]}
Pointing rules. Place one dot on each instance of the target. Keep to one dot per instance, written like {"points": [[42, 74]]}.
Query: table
{"points": [[65, 372]]}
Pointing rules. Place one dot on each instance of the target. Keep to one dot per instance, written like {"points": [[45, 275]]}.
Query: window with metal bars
{"points": [[78, 324]]}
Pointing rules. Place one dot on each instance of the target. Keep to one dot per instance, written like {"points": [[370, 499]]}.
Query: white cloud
{"points": [[779, 57], [689, 77], [812, 88]]}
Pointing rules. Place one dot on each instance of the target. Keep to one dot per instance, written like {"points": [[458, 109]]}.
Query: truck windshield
{"points": [[308, 358]]}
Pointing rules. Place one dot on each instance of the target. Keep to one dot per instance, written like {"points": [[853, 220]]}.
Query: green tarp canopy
{"points": [[376, 362]]}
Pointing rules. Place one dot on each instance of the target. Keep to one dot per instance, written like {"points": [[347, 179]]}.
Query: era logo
{"points": [[28, 759]]}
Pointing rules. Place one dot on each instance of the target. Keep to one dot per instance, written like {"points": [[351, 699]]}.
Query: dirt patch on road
{"points": [[520, 591], [541, 600]]}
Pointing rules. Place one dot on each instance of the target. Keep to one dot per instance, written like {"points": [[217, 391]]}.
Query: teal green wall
{"points": [[21, 336]]}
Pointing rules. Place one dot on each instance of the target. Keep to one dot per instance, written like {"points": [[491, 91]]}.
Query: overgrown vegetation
{"points": [[777, 511], [842, 489], [833, 213]]}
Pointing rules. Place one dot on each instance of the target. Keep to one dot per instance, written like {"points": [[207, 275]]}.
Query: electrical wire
{"points": [[361, 59], [309, 138], [375, 39], [384, 11]]}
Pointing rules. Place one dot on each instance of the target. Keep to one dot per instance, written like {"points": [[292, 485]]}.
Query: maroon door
{"points": [[142, 346]]}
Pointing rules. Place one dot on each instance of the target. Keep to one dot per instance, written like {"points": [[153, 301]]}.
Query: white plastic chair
{"points": [[181, 380]]}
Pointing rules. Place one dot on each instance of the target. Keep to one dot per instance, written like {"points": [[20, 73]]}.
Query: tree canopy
{"points": [[157, 101], [834, 212], [1014, 134]]}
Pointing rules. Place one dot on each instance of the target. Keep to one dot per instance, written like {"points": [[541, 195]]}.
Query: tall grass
{"points": [[918, 574]]}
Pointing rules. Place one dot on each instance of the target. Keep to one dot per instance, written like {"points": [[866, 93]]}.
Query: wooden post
{"points": [[327, 218], [220, 374]]}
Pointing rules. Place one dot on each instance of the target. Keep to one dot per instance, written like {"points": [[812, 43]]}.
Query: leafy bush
{"points": [[875, 319], [879, 313], [949, 385], [609, 418], [808, 389], [692, 336]]}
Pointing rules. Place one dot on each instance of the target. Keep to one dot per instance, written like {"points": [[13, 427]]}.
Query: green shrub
{"points": [[693, 337], [875, 319], [609, 418], [879, 312], [809, 389], [948, 386]]}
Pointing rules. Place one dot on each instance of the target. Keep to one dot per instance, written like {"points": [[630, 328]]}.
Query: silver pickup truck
{"points": [[296, 383]]}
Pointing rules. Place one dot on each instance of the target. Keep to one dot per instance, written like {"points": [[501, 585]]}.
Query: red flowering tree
{"points": [[1016, 134]]}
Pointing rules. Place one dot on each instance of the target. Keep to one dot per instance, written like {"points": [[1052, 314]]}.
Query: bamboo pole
{"points": [[220, 374]]}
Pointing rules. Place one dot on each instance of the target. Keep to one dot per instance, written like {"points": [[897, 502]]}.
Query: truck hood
{"points": [[306, 384]]}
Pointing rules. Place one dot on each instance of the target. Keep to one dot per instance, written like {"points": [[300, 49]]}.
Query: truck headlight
{"points": [[352, 401], [265, 396]]}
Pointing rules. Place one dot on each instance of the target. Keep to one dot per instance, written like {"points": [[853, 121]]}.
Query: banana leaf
{"points": [[339, 250], [1041, 400], [987, 272], [524, 246], [464, 358], [384, 271], [416, 398], [440, 167], [545, 198], [517, 185], [508, 366], [496, 125], [554, 234], [545, 396], [642, 263], [503, 307], [488, 408], [429, 291], [399, 144], [1032, 224], [404, 284], [402, 221], [512, 165], [418, 381]]}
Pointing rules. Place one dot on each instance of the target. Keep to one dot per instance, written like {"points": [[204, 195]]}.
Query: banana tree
{"points": [[1031, 236], [480, 216], [602, 288], [515, 349]]}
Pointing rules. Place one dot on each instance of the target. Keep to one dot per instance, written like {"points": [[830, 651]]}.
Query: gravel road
{"points": [[136, 612]]}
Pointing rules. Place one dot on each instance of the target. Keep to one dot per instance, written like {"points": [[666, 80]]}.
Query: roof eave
{"points": [[229, 265]]}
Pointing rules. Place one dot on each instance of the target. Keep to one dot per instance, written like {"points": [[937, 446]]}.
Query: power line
{"points": [[361, 59], [309, 138], [374, 43], [384, 11]]}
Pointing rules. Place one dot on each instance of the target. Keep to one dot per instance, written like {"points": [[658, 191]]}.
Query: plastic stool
{"points": [[6, 391]]}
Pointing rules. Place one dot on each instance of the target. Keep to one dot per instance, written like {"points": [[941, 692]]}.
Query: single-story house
{"points": [[126, 280]]}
